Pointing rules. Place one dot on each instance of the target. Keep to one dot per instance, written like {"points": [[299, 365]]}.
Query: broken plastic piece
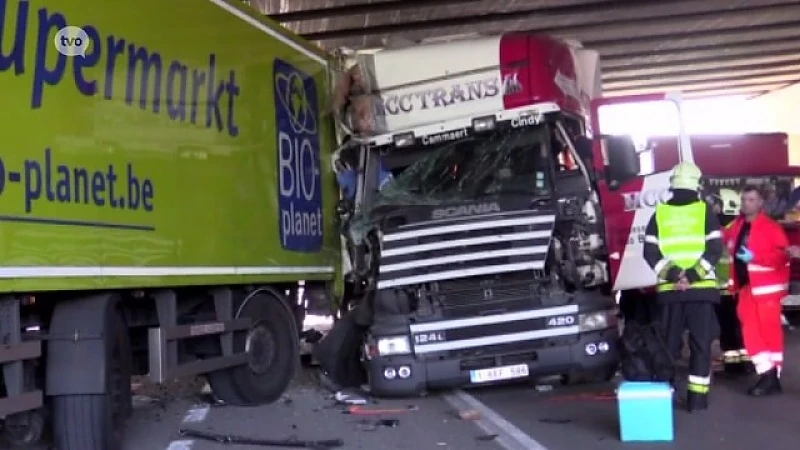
{"points": [[241, 440], [360, 411], [469, 414], [486, 437], [349, 398], [372, 425], [391, 423], [555, 421]]}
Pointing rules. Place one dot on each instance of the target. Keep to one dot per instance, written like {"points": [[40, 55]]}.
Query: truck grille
{"points": [[487, 294], [474, 248]]}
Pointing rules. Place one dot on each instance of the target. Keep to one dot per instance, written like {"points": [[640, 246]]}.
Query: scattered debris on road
{"points": [[486, 437], [469, 414], [372, 425], [358, 410], [210, 399], [242, 440], [349, 398], [596, 396], [167, 391], [555, 421]]}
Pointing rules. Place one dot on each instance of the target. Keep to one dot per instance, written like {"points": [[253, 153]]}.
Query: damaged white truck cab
{"points": [[483, 257]]}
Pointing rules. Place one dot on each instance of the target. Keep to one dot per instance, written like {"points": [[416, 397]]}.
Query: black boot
{"points": [[767, 384], [696, 401]]}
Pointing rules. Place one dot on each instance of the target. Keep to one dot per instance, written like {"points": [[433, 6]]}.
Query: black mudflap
{"points": [[339, 352]]}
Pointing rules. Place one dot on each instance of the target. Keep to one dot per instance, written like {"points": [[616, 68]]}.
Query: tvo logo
{"points": [[298, 145], [72, 41]]}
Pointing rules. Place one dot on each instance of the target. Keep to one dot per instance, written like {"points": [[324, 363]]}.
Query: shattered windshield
{"points": [[508, 162], [504, 162]]}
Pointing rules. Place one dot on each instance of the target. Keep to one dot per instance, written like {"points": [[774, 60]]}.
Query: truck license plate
{"points": [[498, 373]]}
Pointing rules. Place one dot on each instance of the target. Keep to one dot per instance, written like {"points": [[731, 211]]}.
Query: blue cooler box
{"points": [[645, 411]]}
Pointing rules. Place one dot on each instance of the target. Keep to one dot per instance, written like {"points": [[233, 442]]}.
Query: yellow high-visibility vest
{"points": [[682, 239]]}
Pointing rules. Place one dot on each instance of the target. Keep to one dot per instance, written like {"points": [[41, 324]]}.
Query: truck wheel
{"points": [[23, 430], [96, 421], [273, 355], [223, 387]]}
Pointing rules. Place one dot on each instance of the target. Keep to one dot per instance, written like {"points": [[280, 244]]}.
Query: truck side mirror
{"points": [[623, 159]]}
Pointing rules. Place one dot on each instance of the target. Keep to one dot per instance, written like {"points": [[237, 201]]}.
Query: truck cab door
{"points": [[629, 183]]}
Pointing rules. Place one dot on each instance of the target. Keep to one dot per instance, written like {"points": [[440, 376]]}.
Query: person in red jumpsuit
{"points": [[761, 279]]}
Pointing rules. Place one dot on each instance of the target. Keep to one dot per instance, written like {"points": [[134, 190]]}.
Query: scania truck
{"points": [[483, 258], [162, 202], [515, 212]]}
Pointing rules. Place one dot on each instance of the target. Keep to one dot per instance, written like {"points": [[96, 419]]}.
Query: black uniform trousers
{"points": [[692, 310]]}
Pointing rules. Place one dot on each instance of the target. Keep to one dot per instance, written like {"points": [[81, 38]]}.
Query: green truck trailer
{"points": [[162, 201]]}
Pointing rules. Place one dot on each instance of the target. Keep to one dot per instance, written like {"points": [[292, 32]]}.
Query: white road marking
{"points": [[181, 445], [508, 436], [195, 414]]}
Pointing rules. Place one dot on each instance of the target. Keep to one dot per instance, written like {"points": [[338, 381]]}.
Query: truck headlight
{"points": [[404, 140], [597, 320], [480, 124], [394, 345]]}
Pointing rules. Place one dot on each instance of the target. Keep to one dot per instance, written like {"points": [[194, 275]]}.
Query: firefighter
{"points": [[683, 244], [734, 356], [761, 279]]}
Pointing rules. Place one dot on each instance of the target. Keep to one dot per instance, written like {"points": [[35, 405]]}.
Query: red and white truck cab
{"points": [[484, 258]]}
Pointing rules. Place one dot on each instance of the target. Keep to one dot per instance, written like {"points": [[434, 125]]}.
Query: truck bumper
{"points": [[443, 372]]}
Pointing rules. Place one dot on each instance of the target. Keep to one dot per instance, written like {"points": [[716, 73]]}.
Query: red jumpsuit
{"points": [[760, 300]]}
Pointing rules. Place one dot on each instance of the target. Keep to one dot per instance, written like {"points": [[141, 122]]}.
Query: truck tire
{"points": [[23, 430], [274, 354], [96, 421], [223, 387]]}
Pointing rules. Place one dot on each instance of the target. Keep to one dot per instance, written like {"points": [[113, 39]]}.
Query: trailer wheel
{"points": [[23, 430], [273, 354], [96, 421]]}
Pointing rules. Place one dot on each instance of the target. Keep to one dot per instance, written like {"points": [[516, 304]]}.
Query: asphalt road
{"points": [[569, 418], [307, 412], [520, 417]]}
